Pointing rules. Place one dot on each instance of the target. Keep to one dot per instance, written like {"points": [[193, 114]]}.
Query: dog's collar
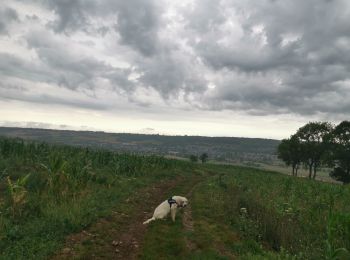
{"points": [[171, 201]]}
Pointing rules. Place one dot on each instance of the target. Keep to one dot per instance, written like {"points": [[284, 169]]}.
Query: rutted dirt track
{"points": [[188, 222], [121, 234]]}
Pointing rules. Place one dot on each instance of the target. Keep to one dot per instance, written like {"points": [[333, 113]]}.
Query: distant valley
{"points": [[226, 149]]}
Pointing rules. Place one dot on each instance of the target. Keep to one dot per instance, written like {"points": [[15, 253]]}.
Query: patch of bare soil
{"points": [[187, 221], [120, 235]]}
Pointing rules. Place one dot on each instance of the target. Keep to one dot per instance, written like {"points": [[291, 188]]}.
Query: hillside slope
{"points": [[218, 148]]}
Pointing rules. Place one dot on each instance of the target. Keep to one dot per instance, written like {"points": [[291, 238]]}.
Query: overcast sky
{"points": [[198, 67]]}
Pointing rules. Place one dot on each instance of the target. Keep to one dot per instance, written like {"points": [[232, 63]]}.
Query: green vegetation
{"points": [[254, 214], [193, 158], [231, 149], [203, 157], [319, 144], [339, 142], [271, 211], [48, 192]]}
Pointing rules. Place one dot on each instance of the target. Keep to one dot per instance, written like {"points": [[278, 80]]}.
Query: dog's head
{"points": [[181, 201], [184, 202]]}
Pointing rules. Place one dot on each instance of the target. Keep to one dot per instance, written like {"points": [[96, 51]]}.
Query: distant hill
{"points": [[218, 148]]}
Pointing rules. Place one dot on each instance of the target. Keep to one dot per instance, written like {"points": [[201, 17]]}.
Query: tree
{"points": [[290, 151], [339, 143], [313, 146], [203, 157], [340, 174], [193, 158]]}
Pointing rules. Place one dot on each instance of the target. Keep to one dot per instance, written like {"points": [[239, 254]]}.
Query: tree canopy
{"points": [[316, 144], [290, 152]]}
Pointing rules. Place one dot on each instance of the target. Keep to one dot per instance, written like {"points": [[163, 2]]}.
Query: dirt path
{"points": [[188, 222], [121, 234]]}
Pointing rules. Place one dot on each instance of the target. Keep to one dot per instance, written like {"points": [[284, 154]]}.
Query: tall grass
{"points": [[49, 191], [307, 219]]}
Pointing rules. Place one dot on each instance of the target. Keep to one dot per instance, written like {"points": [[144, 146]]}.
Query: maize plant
{"points": [[17, 195]]}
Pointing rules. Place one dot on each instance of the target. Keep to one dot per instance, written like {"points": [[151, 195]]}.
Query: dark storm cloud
{"points": [[261, 57]]}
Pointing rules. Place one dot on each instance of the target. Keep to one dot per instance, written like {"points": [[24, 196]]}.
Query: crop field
{"points": [[61, 202]]}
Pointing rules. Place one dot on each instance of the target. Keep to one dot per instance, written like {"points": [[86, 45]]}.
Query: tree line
{"points": [[203, 157], [318, 144]]}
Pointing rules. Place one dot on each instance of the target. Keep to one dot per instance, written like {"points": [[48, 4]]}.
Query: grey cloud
{"points": [[206, 16], [136, 20], [137, 24], [307, 66], [71, 15], [11, 65], [74, 71], [11, 93], [7, 15], [170, 74], [264, 57], [317, 24]]}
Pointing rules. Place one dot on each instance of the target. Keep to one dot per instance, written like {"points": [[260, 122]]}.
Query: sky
{"points": [[192, 67]]}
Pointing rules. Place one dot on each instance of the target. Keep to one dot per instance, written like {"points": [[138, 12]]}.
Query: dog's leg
{"points": [[173, 212]]}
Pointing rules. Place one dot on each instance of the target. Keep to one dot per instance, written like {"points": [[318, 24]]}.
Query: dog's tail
{"points": [[149, 220]]}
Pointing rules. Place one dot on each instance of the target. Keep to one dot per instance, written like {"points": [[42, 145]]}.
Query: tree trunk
{"points": [[314, 176], [310, 170], [296, 171], [293, 169]]}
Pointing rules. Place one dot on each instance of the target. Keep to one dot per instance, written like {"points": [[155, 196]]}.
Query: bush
{"points": [[340, 175]]}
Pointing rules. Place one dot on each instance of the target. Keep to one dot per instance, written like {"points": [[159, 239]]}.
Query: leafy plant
{"points": [[331, 252], [17, 195]]}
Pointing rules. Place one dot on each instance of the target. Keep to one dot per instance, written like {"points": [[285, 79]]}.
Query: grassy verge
{"points": [[248, 213], [253, 214], [48, 192], [259, 214]]}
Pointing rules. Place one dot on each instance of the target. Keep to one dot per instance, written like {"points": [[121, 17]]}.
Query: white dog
{"points": [[169, 205]]}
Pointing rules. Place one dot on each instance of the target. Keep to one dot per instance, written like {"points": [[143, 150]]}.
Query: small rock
{"points": [[117, 250], [136, 246], [115, 243]]}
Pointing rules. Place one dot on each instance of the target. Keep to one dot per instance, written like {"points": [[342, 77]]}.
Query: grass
{"points": [[250, 212], [48, 192], [52, 191], [165, 239]]}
